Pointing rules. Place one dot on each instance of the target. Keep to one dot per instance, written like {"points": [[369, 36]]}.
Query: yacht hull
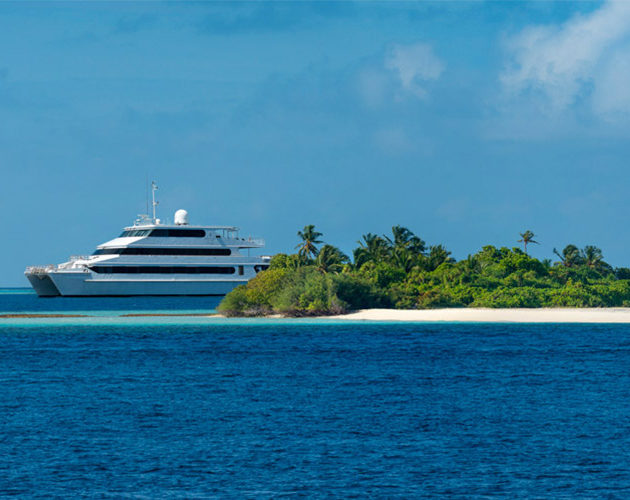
{"points": [[74, 284], [43, 285]]}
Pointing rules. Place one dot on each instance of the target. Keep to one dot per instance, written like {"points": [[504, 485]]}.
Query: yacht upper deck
{"points": [[181, 233]]}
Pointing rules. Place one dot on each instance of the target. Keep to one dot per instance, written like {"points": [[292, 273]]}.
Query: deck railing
{"points": [[255, 241], [79, 257], [40, 269], [52, 268]]}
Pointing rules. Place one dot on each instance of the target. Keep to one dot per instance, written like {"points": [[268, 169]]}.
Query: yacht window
{"points": [[178, 233], [163, 269], [163, 251], [134, 233]]}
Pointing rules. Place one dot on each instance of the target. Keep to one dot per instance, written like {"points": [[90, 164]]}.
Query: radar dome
{"points": [[181, 217]]}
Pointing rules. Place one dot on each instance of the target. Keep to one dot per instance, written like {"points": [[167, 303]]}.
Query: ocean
{"points": [[173, 407]]}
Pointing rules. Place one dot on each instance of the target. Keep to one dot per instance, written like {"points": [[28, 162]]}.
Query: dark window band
{"points": [[179, 233], [165, 233], [136, 232], [163, 251], [162, 270]]}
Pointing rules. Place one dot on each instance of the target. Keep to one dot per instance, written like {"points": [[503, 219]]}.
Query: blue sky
{"points": [[468, 122]]}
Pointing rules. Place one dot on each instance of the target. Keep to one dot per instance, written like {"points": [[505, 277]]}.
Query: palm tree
{"points": [[403, 258], [310, 238], [594, 258], [438, 255], [371, 248], [571, 256], [359, 257], [403, 238], [472, 265], [526, 238], [330, 259]]}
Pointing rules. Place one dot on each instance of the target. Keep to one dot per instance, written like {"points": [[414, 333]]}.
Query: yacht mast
{"points": [[154, 203]]}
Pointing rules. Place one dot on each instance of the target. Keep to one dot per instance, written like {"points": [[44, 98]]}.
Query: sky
{"points": [[468, 122]]}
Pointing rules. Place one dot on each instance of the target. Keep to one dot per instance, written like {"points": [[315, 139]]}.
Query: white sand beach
{"points": [[551, 315]]}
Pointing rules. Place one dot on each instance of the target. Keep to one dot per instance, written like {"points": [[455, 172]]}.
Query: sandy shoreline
{"points": [[463, 315], [555, 315]]}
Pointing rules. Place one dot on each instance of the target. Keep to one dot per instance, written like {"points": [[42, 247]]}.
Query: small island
{"points": [[400, 271]]}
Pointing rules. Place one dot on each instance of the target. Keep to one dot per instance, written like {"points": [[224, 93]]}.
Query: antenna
{"points": [[154, 203], [146, 192]]}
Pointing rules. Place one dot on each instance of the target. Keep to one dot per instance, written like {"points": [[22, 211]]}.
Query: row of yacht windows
{"points": [[163, 251], [165, 233], [165, 269]]}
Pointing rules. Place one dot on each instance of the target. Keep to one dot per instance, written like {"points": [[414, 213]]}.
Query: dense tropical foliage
{"points": [[400, 270]]}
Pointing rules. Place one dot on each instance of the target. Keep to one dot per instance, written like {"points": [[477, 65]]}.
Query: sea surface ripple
{"points": [[307, 410]]}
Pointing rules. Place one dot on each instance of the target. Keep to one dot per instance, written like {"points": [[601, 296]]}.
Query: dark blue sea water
{"points": [[271, 409]]}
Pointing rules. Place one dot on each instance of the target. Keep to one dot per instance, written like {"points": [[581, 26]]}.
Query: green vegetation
{"points": [[401, 271]]}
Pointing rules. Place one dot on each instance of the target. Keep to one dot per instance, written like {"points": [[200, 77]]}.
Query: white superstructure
{"points": [[152, 258]]}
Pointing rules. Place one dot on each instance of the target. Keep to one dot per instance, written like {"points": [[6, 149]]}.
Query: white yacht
{"points": [[152, 258]]}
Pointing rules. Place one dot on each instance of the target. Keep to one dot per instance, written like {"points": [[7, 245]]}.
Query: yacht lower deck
{"points": [[78, 284]]}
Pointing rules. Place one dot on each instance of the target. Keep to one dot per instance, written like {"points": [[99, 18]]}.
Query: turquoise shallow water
{"points": [[115, 311], [101, 310]]}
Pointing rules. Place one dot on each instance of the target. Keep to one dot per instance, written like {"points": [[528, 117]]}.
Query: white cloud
{"points": [[566, 61], [611, 95], [414, 64]]}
